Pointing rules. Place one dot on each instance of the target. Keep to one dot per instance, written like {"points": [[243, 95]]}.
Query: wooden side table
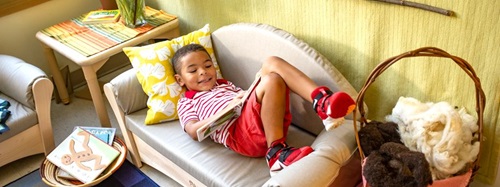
{"points": [[91, 64]]}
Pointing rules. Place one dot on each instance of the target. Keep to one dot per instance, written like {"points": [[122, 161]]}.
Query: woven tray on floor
{"points": [[48, 171]]}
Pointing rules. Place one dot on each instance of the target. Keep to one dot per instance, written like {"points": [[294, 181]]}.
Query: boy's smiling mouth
{"points": [[205, 80]]}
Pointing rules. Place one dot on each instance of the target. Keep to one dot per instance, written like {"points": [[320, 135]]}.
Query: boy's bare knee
{"points": [[273, 79], [274, 58], [271, 63]]}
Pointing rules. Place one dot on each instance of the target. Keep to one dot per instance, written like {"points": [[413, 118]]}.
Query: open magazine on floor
{"points": [[234, 109]]}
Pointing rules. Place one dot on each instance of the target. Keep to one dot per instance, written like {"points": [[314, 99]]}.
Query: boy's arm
{"points": [[191, 127]]}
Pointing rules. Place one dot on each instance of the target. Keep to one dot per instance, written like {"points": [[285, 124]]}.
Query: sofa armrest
{"points": [[128, 92], [332, 150], [17, 78], [125, 95]]}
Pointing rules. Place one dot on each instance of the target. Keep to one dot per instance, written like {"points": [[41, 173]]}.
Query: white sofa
{"points": [[240, 49]]}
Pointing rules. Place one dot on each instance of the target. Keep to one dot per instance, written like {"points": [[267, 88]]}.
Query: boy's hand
{"points": [[236, 102], [237, 98], [240, 94]]}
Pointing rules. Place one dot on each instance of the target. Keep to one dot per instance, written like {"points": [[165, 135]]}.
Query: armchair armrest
{"points": [[42, 93], [15, 70], [128, 92]]}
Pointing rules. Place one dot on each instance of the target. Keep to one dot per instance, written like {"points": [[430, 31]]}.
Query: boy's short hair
{"points": [[183, 51]]}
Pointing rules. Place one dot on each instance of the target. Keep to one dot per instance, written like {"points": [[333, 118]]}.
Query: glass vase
{"points": [[132, 12], [109, 4]]}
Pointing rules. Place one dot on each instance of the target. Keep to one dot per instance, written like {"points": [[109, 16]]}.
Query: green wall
{"points": [[356, 35]]}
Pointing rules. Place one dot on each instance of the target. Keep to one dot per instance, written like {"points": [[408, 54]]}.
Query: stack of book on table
{"points": [[102, 16], [85, 153]]}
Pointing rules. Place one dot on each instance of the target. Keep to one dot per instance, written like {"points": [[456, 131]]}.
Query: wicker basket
{"points": [[429, 52], [48, 171]]}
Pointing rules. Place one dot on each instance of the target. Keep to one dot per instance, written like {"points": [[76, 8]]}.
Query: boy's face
{"points": [[197, 72]]}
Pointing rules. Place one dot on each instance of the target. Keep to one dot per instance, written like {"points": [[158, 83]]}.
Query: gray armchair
{"points": [[29, 92]]}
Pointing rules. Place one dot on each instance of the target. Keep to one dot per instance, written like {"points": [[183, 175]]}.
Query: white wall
{"points": [[17, 33]]}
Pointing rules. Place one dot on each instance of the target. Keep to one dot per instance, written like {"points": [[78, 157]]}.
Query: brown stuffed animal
{"points": [[395, 165], [375, 133]]}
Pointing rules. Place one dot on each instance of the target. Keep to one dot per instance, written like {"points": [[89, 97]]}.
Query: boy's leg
{"points": [[331, 107], [295, 79], [272, 93]]}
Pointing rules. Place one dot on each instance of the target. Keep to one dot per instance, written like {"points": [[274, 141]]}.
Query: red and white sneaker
{"points": [[280, 156], [332, 107]]}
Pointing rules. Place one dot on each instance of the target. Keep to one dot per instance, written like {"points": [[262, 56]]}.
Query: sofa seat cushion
{"points": [[209, 162], [21, 118]]}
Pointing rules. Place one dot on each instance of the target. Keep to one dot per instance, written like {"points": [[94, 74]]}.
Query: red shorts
{"points": [[246, 135]]}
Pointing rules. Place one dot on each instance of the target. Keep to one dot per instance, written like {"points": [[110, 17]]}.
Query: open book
{"points": [[83, 156], [234, 109]]}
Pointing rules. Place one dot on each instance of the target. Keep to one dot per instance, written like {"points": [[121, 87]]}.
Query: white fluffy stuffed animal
{"points": [[444, 134]]}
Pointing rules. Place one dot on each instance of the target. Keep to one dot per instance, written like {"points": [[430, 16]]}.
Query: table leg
{"points": [[95, 92], [56, 74]]}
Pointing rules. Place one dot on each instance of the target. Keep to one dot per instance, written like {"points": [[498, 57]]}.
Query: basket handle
{"points": [[429, 52]]}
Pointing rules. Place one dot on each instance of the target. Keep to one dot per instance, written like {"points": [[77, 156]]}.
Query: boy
{"points": [[261, 128]]}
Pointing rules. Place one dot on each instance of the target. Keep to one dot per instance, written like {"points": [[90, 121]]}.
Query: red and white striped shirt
{"points": [[201, 105]]}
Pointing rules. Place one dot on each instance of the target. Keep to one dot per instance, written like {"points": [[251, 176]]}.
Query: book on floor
{"points": [[102, 16], [215, 122], [64, 175], [106, 134], [83, 155]]}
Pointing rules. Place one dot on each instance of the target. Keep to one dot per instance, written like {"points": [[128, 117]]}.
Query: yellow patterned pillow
{"points": [[156, 75]]}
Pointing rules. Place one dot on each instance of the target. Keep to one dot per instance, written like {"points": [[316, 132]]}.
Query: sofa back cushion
{"points": [[128, 92], [249, 44]]}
